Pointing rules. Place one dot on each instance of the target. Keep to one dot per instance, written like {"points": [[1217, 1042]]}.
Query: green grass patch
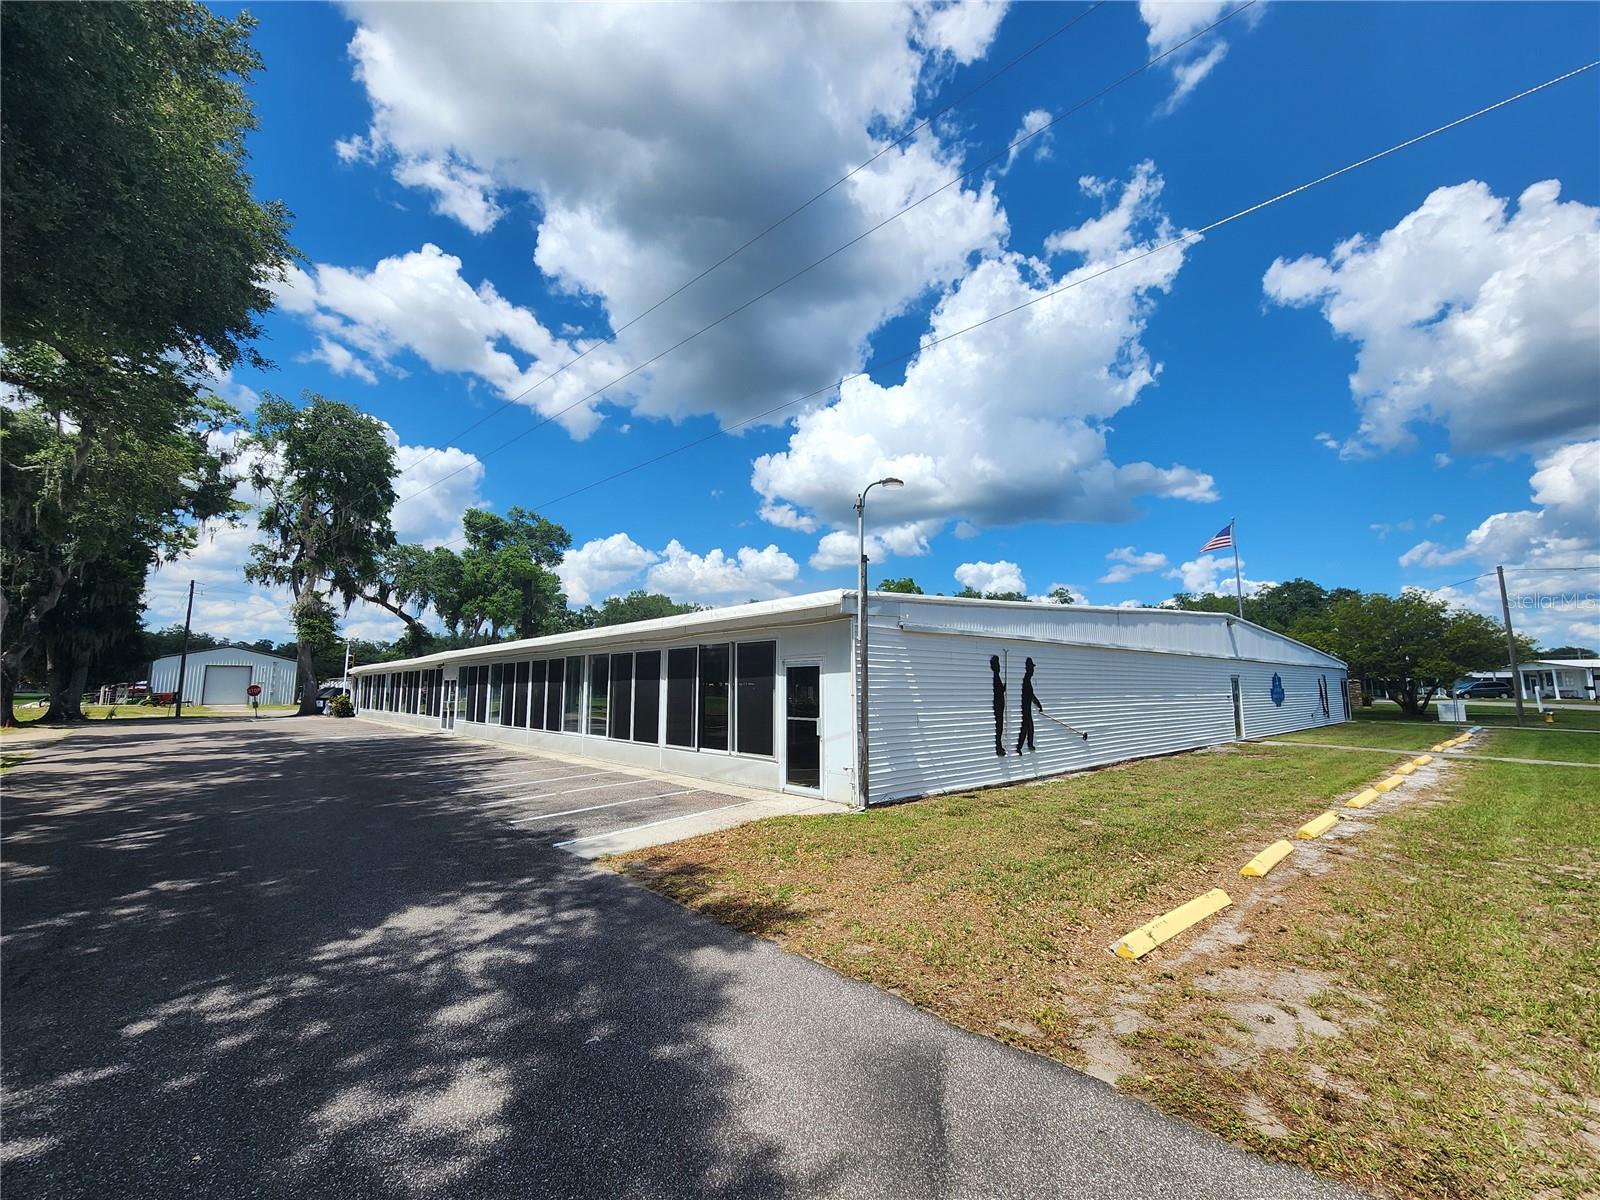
{"points": [[1461, 954], [134, 712], [1555, 745], [1436, 976], [1487, 714], [1377, 734]]}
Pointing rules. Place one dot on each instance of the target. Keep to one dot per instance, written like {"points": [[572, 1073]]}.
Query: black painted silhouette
{"points": [[999, 706], [1030, 701]]}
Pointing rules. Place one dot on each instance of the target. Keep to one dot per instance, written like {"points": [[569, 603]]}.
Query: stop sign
{"points": [[253, 690]]}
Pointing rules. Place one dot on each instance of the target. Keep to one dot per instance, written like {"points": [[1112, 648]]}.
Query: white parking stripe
{"points": [[524, 781], [594, 837], [595, 807], [597, 787]]}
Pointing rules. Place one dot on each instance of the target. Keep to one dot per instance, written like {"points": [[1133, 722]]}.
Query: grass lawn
{"points": [[1563, 746], [1385, 734], [1408, 1004], [1533, 742], [1486, 714], [127, 712]]}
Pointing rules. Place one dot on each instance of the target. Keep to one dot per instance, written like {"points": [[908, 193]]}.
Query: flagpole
{"points": [[1238, 580]]}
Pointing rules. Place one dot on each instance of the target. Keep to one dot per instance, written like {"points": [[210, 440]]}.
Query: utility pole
{"points": [[183, 655], [1511, 643]]}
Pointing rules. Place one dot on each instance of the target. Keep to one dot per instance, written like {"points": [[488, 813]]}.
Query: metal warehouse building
{"points": [[763, 694], [221, 675]]}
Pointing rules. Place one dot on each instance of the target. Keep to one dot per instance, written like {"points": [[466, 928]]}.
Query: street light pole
{"points": [[862, 756]]}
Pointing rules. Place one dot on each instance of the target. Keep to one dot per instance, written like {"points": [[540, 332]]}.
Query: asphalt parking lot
{"points": [[300, 958], [550, 800]]}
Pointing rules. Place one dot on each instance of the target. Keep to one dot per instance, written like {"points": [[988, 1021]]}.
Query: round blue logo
{"points": [[1277, 689]]}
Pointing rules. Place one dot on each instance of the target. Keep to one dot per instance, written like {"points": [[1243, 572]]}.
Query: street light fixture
{"points": [[889, 483]]}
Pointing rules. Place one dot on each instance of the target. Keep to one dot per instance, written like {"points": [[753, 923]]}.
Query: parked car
{"points": [[327, 692], [139, 690], [1484, 689]]}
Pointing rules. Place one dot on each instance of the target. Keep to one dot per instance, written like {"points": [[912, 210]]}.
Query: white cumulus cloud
{"points": [[1128, 562], [747, 574], [989, 577], [420, 304], [1006, 423], [595, 568], [1564, 531], [642, 173], [1212, 575], [1466, 315], [1170, 23]]}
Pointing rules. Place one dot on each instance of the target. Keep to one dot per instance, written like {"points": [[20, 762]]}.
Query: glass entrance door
{"points": [[803, 726], [447, 709]]}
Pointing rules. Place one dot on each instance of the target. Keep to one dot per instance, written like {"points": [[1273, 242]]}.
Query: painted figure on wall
{"points": [[999, 706], [1030, 701]]}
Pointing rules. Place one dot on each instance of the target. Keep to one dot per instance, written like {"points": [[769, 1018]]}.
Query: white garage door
{"points": [[225, 685]]}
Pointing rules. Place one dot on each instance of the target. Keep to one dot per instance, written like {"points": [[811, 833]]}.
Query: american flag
{"points": [[1222, 541]]}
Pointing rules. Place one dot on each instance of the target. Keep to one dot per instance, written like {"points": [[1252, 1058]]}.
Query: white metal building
{"points": [[1554, 678], [221, 675], [763, 694]]}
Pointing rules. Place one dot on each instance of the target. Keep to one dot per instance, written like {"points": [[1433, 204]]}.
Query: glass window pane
{"points": [[572, 716], [803, 754], [480, 693], [714, 697], [494, 694], [461, 696], [756, 664], [536, 678], [621, 696], [519, 715], [599, 693], [647, 697], [508, 702], [680, 696], [552, 696]]}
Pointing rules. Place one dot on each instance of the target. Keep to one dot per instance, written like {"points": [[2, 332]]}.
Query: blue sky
{"points": [[480, 192]]}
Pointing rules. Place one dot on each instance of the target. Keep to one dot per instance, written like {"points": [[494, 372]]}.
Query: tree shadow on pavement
{"points": [[287, 960]]}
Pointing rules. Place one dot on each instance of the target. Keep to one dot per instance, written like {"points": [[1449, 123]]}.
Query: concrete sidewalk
{"points": [[288, 959]]}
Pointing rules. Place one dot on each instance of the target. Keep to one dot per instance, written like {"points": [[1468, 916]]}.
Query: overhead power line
{"points": [[1186, 237], [1003, 152]]}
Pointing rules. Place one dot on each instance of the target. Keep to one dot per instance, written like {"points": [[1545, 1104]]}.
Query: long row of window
{"points": [[715, 697], [418, 692]]}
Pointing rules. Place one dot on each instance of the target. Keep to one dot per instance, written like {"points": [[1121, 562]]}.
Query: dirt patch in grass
{"points": [[1408, 1003]]}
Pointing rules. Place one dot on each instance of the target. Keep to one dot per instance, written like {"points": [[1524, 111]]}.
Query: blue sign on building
{"points": [[1277, 689]]}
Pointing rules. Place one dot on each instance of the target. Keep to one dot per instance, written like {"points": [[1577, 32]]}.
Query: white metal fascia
{"points": [[814, 608]]}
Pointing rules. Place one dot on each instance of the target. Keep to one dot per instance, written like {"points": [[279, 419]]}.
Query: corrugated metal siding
{"points": [[278, 677], [931, 721], [1302, 702]]}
